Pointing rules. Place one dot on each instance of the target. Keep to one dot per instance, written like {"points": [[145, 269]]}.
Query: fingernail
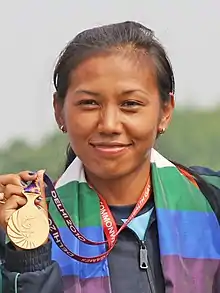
{"points": [[39, 198], [32, 173]]}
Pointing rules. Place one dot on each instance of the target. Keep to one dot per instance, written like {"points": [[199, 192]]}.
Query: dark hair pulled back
{"points": [[101, 39]]}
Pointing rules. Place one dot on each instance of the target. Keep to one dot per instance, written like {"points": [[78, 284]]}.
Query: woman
{"points": [[114, 97]]}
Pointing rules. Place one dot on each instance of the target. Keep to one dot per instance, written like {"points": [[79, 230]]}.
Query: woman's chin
{"points": [[108, 172]]}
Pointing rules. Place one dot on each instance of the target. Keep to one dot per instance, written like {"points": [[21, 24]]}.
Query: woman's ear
{"points": [[58, 110], [167, 113]]}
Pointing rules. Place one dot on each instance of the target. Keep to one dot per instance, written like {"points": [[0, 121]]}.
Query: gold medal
{"points": [[28, 227]]}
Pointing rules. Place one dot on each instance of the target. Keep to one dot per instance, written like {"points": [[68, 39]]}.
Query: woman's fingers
{"points": [[14, 179], [11, 193], [10, 206], [2, 195], [15, 202], [17, 179], [27, 176], [11, 189]]}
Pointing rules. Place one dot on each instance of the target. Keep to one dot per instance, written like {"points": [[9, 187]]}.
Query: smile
{"points": [[111, 149]]}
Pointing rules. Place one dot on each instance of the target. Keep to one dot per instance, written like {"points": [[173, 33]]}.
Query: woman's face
{"points": [[112, 113]]}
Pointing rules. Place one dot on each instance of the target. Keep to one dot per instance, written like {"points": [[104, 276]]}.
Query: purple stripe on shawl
{"points": [[90, 285], [191, 275]]}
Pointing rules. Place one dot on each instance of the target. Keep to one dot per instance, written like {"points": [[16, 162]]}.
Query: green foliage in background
{"points": [[192, 139]]}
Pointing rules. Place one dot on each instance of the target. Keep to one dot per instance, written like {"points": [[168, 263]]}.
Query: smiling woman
{"points": [[119, 203], [118, 99], [112, 113]]}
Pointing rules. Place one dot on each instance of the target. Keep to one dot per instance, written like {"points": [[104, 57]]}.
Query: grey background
{"points": [[33, 32]]}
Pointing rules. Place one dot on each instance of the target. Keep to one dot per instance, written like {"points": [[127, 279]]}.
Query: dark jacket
{"points": [[35, 272]]}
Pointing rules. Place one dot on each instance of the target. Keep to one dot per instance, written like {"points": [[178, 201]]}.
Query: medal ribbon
{"points": [[109, 225], [110, 228]]}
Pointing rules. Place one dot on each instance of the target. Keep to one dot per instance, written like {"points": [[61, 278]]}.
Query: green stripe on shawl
{"points": [[184, 199], [84, 213]]}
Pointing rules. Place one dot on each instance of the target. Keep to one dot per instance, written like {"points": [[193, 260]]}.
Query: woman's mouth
{"points": [[110, 148]]}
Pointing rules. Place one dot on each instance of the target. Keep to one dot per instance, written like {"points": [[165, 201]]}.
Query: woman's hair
{"points": [[106, 39]]}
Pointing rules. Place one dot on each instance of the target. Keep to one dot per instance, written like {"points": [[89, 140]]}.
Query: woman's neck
{"points": [[125, 190]]}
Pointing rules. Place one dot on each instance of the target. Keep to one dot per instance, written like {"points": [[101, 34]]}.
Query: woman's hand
{"points": [[11, 187]]}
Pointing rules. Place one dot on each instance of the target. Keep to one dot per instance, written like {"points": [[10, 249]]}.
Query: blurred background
{"points": [[33, 32]]}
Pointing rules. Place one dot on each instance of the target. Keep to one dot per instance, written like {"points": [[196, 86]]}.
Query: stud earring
{"points": [[62, 128], [161, 131]]}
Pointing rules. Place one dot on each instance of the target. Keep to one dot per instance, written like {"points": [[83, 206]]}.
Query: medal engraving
{"points": [[28, 227]]}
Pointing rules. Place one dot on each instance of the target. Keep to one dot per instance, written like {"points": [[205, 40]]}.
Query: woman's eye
{"points": [[88, 103], [131, 104]]}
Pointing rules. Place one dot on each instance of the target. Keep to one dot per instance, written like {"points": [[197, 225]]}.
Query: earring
{"points": [[62, 128], [161, 131]]}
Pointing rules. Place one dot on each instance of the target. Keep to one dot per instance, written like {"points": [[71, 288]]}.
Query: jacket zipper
{"points": [[144, 262]]}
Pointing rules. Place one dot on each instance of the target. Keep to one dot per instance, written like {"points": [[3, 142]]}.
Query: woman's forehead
{"points": [[118, 69]]}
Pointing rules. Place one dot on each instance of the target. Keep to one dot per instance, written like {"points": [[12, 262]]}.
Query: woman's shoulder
{"points": [[209, 183], [209, 175], [205, 171]]}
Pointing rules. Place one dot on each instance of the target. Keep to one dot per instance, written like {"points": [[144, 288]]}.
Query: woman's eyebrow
{"points": [[87, 92]]}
